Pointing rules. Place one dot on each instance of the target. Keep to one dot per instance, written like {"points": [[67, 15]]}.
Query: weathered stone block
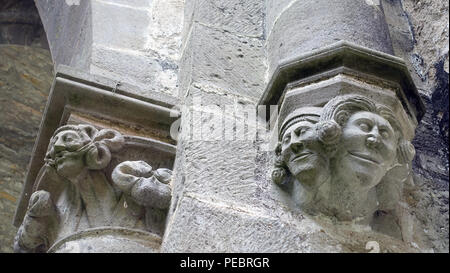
{"points": [[202, 224], [274, 10], [166, 24], [218, 227], [231, 62], [235, 16], [119, 26], [151, 74], [69, 31]]}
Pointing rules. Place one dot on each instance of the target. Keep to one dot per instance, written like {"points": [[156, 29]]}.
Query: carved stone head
{"points": [[300, 154], [364, 140], [75, 147]]}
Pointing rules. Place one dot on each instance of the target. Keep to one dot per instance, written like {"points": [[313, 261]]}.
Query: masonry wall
{"points": [[217, 51], [26, 73], [419, 32]]}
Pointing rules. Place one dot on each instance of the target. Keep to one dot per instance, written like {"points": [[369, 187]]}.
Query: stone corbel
{"points": [[91, 170], [347, 116]]}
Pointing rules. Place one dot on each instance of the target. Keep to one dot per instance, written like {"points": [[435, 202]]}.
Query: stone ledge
{"points": [[108, 239], [349, 55]]}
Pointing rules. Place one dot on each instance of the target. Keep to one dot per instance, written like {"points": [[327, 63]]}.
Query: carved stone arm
{"points": [[34, 233], [146, 187]]}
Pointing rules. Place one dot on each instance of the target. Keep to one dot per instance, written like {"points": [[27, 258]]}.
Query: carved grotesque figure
{"points": [[78, 154], [146, 187], [302, 161], [77, 159], [350, 163], [34, 234], [75, 148], [368, 147]]}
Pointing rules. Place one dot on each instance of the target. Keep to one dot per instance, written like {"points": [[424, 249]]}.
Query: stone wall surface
{"points": [[223, 53], [134, 42], [419, 31], [26, 74], [222, 64], [20, 24]]}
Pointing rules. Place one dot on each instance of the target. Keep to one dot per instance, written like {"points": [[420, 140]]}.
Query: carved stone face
{"points": [[367, 149], [64, 152], [302, 152]]}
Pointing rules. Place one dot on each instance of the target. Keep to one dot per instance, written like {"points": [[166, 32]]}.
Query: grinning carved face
{"points": [[64, 152], [367, 148], [302, 152]]}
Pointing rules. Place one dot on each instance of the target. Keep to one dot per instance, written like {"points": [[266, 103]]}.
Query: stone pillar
{"points": [[297, 27], [216, 195], [348, 109]]}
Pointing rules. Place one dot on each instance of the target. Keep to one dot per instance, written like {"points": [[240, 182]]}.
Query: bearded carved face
{"points": [[75, 147], [64, 151]]}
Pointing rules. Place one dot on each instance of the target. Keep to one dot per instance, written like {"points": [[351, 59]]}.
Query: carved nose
{"points": [[296, 146], [373, 141], [59, 145]]}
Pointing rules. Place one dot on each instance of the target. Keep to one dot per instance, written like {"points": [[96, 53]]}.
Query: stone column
{"points": [[348, 109], [296, 27], [216, 195]]}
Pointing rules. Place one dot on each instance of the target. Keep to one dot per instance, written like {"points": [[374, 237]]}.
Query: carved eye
{"points": [[301, 131], [287, 139], [384, 133], [364, 126]]}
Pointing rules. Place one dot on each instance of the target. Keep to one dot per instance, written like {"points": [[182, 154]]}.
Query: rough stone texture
{"points": [[419, 31], [69, 31], [140, 44], [25, 78], [235, 16], [223, 63], [223, 199], [215, 226], [20, 24], [135, 42], [218, 227]]}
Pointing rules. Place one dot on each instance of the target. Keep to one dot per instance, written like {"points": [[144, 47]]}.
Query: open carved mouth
{"points": [[301, 156], [365, 157]]}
